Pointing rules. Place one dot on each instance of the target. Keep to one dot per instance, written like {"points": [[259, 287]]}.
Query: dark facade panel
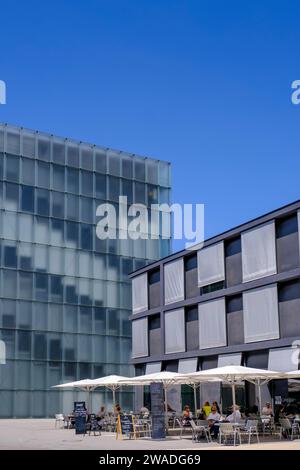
{"points": [[154, 295], [209, 362], [287, 252], [233, 262], [257, 359], [191, 284], [155, 342], [289, 309]]}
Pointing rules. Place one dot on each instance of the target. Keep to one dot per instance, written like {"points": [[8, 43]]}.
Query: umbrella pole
{"points": [[195, 399], [166, 408], [233, 394], [114, 399], [259, 396]]}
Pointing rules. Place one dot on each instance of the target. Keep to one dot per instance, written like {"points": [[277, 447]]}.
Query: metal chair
{"points": [[288, 428], [200, 429], [59, 420], [250, 429], [229, 433]]}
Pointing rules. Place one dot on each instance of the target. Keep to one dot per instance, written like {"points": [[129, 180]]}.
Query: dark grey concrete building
{"points": [[235, 301]]}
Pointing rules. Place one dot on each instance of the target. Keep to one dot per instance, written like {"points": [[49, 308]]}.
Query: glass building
{"points": [[65, 296]]}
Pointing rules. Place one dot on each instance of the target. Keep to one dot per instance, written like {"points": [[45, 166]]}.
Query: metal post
{"points": [[195, 398], [166, 407], [233, 394], [259, 396]]}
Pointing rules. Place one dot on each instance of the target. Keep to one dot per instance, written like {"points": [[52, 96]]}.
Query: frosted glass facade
{"points": [[65, 297]]}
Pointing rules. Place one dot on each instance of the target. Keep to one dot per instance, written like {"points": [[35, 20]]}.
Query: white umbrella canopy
{"points": [[164, 377], [235, 374], [295, 374], [85, 384], [112, 382]]}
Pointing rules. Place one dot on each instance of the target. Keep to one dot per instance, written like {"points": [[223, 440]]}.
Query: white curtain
{"points": [[259, 252], [261, 320], [211, 267], [283, 359], [140, 337], [230, 360], [174, 281], [187, 366], [174, 331], [212, 324], [140, 293], [153, 367]]}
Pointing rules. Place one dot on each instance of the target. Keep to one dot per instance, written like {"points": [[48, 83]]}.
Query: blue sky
{"points": [[205, 85]]}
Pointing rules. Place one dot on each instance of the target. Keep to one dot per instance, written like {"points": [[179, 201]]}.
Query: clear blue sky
{"points": [[203, 84]]}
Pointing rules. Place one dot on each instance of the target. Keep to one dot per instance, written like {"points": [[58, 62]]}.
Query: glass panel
{"points": [[40, 346], [84, 292], [9, 281], [13, 142], [152, 194], [127, 168], [11, 196], [24, 317], [72, 234], [113, 188], [41, 230], [56, 260], [139, 170], [44, 149], [114, 163], [27, 198], [73, 180], [57, 232], [8, 314], [164, 174], [100, 321], [55, 318], [127, 190], [100, 161], [87, 158], [22, 370], [86, 237], [41, 286], [58, 154], [10, 225], [25, 227], [85, 320], [70, 262], [152, 172], [55, 348], [113, 317], [71, 290], [41, 258], [100, 186], [87, 212], [86, 183], [113, 297], [58, 205], [43, 174], [99, 292], [84, 348], [39, 375], [25, 285], [25, 256], [70, 347], [40, 316], [10, 254], [72, 207], [58, 177], [28, 144], [12, 168], [73, 155], [99, 266], [85, 264], [24, 344], [70, 319], [56, 288], [140, 196], [43, 201], [113, 349]]}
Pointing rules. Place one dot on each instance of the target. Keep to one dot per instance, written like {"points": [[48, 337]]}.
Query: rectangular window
{"points": [[43, 175], [174, 331], [27, 198], [174, 281], [12, 168], [86, 183], [233, 261], [287, 243], [211, 268], [192, 328], [235, 320], [289, 308], [58, 177], [212, 324]]}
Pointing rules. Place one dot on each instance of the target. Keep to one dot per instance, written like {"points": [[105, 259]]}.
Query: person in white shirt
{"points": [[235, 416], [267, 410], [213, 418]]}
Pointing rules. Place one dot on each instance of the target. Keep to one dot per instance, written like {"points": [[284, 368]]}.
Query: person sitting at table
{"points": [[267, 410], [235, 416], [280, 413], [206, 409], [213, 417], [118, 409], [215, 403], [100, 416], [187, 416]]}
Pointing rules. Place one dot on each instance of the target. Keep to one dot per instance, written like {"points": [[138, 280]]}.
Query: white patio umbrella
{"points": [[295, 374], [165, 378], [235, 374], [85, 385], [111, 382]]}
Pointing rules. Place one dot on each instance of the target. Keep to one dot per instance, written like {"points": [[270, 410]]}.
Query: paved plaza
{"points": [[41, 434]]}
